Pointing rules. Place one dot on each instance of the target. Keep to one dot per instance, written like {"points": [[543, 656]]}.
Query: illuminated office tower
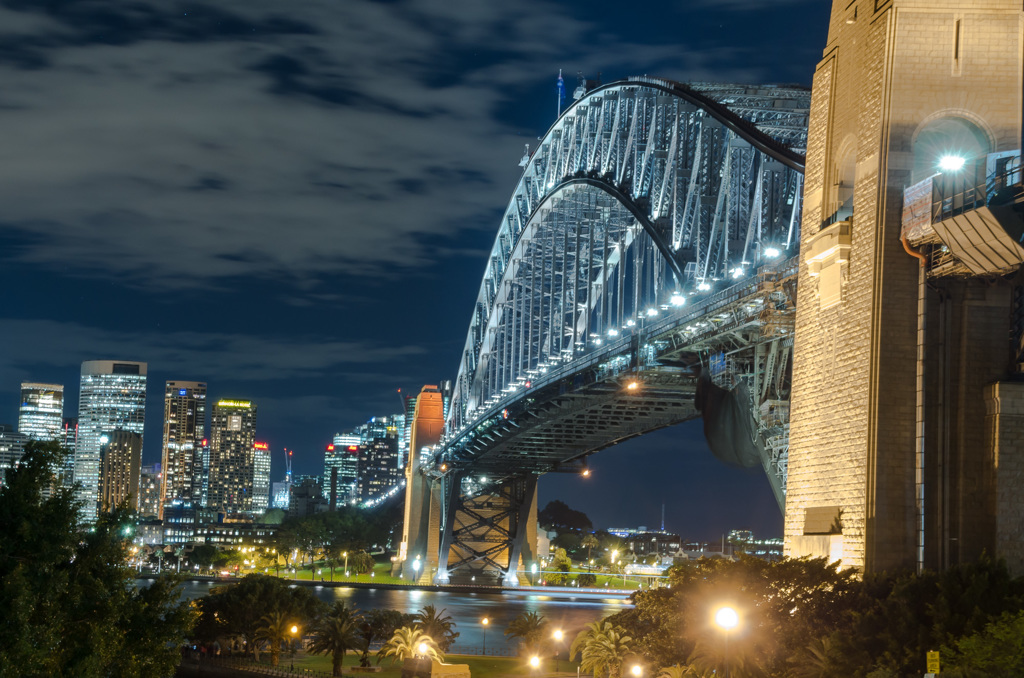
{"points": [[378, 457], [149, 491], [344, 456], [120, 468], [113, 397], [68, 440], [232, 456], [42, 411], [261, 477], [184, 430], [12, 447]]}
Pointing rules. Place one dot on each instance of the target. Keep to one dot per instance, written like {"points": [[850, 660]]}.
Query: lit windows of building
{"points": [[232, 456], [112, 397], [184, 431], [149, 491], [41, 413], [343, 455], [120, 469], [69, 439], [12, 447], [379, 469], [261, 478]]}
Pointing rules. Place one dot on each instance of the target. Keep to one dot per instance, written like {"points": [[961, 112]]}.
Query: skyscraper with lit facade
{"points": [[42, 410], [69, 441], [232, 456], [378, 457], [184, 431], [261, 477], [343, 455], [149, 491], [120, 468], [112, 397], [12, 447]]}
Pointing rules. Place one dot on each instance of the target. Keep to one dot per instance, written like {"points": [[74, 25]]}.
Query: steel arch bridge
{"points": [[642, 267]]}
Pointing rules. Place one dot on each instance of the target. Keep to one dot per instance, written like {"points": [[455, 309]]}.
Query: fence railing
{"points": [[284, 670]]}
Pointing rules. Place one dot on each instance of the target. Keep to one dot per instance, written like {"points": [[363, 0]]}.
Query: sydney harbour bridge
{"points": [[643, 275]]}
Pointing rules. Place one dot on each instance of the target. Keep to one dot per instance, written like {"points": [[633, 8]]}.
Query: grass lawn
{"points": [[479, 667]]}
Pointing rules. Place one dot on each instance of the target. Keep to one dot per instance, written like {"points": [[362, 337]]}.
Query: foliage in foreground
{"points": [[803, 618], [70, 604]]}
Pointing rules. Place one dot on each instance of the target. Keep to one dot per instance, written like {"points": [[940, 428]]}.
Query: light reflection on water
{"points": [[466, 609]]}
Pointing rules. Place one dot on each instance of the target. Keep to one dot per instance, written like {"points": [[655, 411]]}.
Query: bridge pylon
{"points": [[417, 553]]}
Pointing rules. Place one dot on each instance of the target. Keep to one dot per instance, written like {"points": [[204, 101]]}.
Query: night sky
{"points": [[294, 201]]}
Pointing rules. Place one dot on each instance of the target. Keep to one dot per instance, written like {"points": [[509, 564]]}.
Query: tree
{"points": [[405, 644], [361, 562], [586, 579], [238, 609], [531, 630], [437, 625], [377, 625], [336, 633], [70, 602], [559, 517], [275, 629], [560, 566], [602, 646], [588, 542], [995, 652], [204, 555]]}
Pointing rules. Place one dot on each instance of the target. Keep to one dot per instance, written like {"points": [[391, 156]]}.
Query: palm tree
{"points": [[405, 644], [688, 671], [815, 660], [590, 541], [336, 633], [275, 629], [531, 630], [437, 625], [602, 646]]}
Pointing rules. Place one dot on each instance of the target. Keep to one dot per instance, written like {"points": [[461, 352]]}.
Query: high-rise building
{"points": [[232, 456], [120, 468], [261, 478], [378, 457], [12, 447], [42, 410], [343, 454], [184, 431], [149, 491], [68, 440], [113, 397]]}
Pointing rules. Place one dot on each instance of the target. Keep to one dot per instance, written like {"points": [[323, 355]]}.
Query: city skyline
{"points": [[323, 221]]}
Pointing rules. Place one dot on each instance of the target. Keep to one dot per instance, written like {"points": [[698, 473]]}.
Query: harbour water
{"points": [[569, 611]]}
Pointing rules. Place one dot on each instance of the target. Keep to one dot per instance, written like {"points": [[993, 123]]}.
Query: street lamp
{"points": [[557, 635], [727, 619], [637, 670], [534, 569], [485, 621], [423, 648], [345, 555], [534, 662], [295, 633]]}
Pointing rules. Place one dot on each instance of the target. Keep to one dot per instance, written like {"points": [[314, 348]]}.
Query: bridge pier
{"points": [[417, 553]]}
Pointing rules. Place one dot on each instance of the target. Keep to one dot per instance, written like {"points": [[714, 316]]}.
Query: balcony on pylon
{"points": [[969, 221]]}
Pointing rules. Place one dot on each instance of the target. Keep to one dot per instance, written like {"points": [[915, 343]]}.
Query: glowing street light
{"points": [[727, 619], [534, 662], [557, 635], [703, 287], [423, 648], [677, 300], [295, 633], [637, 670], [484, 622], [951, 163], [771, 252]]}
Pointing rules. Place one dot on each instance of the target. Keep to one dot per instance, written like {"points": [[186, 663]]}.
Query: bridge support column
{"points": [[417, 556], [489, 532]]}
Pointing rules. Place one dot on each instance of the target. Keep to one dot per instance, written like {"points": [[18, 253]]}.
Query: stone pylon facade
{"points": [[893, 454]]}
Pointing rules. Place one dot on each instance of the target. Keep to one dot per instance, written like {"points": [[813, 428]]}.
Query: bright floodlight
{"points": [[727, 618], [951, 163], [295, 629], [534, 661], [652, 312], [771, 252], [677, 299], [423, 648], [613, 332], [636, 670], [557, 635], [704, 287], [737, 272]]}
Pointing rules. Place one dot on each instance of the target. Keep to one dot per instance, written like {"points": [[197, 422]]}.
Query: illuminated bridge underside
{"points": [[625, 268]]}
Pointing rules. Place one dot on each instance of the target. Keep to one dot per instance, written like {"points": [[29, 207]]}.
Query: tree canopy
{"points": [[559, 517], [70, 602]]}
